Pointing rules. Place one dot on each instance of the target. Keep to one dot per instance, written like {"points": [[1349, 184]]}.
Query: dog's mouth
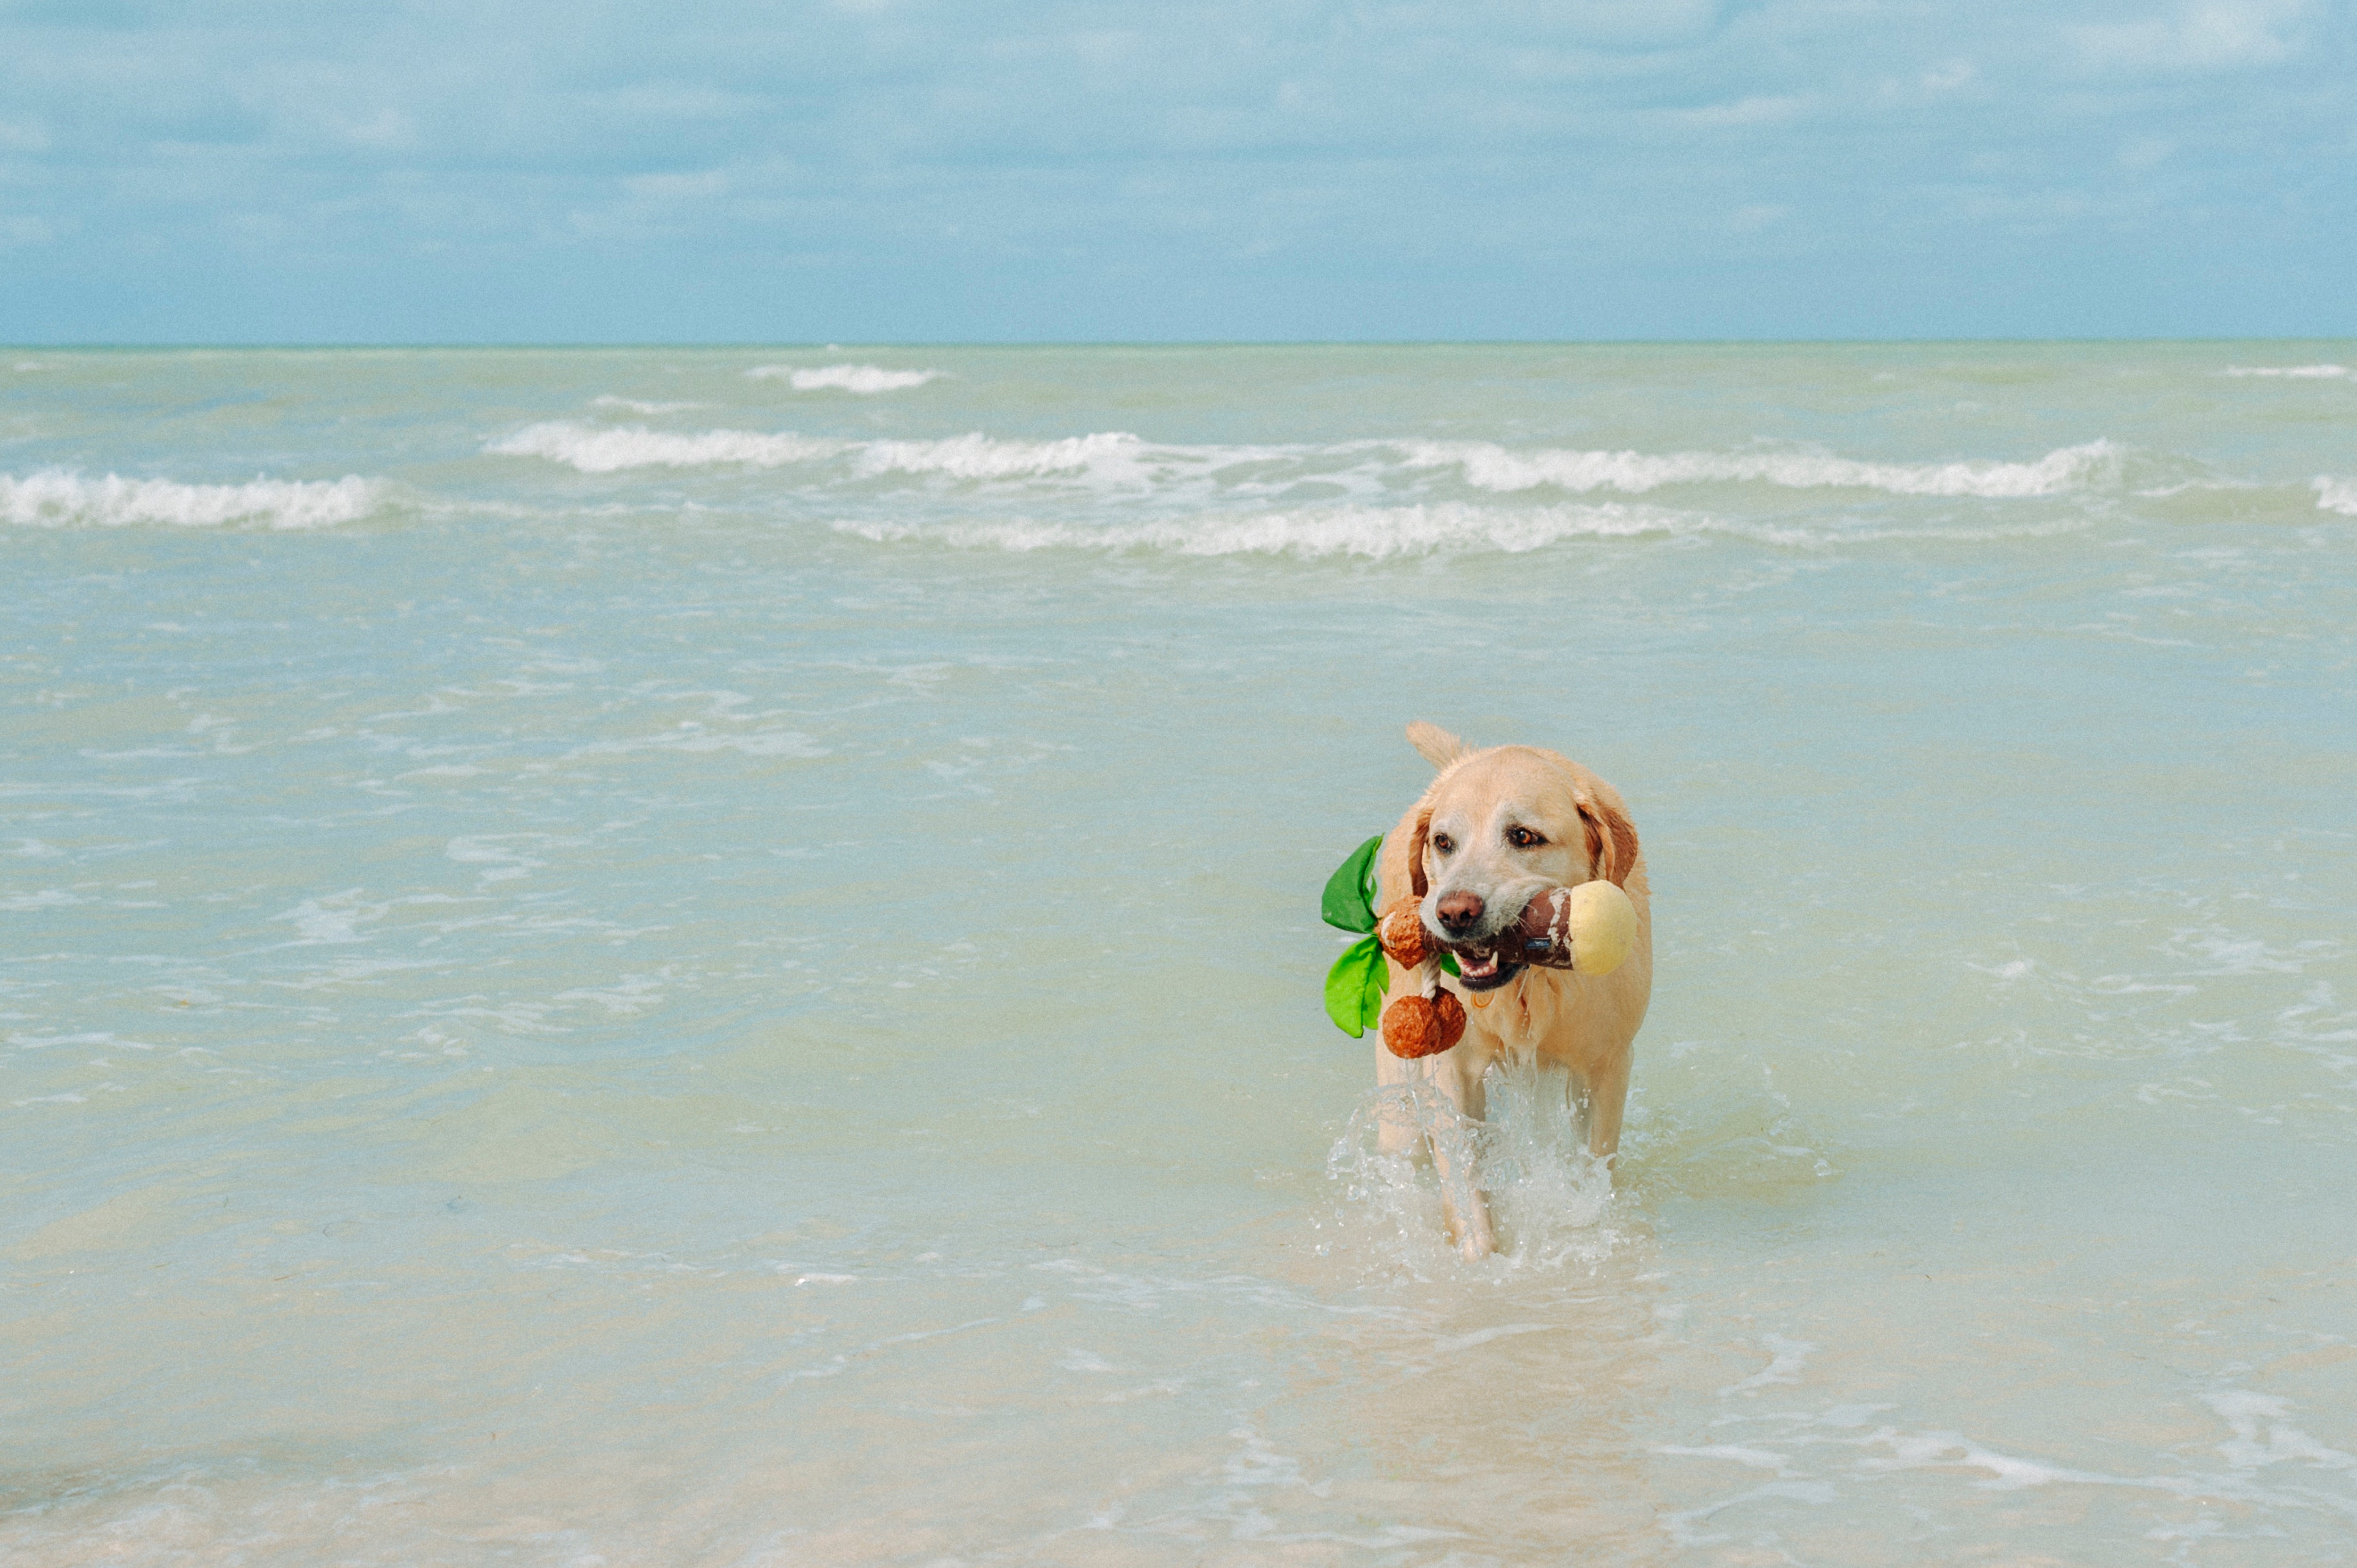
{"points": [[1483, 968]]}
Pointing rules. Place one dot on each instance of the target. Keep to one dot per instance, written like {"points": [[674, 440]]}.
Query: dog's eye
{"points": [[1522, 838], [1443, 843]]}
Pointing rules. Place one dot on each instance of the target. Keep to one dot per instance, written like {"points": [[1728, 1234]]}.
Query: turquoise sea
{"points": [[710, 956]]}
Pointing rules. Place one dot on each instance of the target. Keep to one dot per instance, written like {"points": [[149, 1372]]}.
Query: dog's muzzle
{"points": [[1540, 935], [1484, 968]]}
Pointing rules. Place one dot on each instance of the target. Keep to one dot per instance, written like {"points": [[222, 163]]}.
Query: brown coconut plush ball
{"points": [[1424, 1025], [1543, 935], [1401, 931]]}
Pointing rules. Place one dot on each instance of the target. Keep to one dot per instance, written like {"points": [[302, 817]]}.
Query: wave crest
{"points": [[601, 449], [1118, 460], [2296, 372], [864, 380], [60, 498], [1488, 467], [2334, 494], [1371, 533], [1111, 453], [605, 450], [1434, 529], [637, 405]]}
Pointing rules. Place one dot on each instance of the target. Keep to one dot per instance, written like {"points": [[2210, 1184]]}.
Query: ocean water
{"points": [[681, 957]]}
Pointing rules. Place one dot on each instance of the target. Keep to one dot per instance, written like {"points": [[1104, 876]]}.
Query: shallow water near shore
{"points": [[672, 956]]}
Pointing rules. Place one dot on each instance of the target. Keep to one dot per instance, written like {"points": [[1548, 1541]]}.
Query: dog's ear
{"points": [[1417, 882], [1611, 842], [1438, 746]]}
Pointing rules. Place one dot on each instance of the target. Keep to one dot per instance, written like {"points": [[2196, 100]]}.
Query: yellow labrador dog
{"points": [[1497, 828]]}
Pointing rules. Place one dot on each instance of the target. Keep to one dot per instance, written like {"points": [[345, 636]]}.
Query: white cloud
{"points": [[1758, 110], [682, 101], [992, 168], [386, 128], [700, 186], [2213, 35]]}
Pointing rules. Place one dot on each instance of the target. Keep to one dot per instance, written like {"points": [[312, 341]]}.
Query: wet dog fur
{"points": [[1497, 827]]}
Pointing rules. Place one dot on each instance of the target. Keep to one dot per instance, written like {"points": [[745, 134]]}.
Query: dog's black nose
{"points": [[1458, 911]]}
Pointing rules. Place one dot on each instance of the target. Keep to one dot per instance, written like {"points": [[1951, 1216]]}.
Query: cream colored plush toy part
{"points": [[1588, 929], [1603, 928]]}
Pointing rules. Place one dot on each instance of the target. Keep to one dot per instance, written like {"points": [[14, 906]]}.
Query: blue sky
{"points": [[875, 170]]}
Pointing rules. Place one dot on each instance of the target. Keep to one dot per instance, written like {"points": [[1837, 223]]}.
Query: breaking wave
{"points": [[599, 449], [1488, 467], [1367, 469], [1381, 533], [1111, 453], [59, 498], [2296, 372], [595, 449], [2336, 495], [638, 405], [864, 380], [1374, 533]]}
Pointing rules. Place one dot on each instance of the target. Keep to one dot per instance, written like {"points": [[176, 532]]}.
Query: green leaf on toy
{"points": [[1355, 987], [1349, 898]]}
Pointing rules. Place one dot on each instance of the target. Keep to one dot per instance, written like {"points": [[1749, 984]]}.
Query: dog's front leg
{"points": [[1574, 1103], [1398, 1129], [1608, 1097], [1458, 1074]]}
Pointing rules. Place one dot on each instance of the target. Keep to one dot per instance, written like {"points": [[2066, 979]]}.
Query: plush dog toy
{"points": [[1588, 929], [1424, 1025]]}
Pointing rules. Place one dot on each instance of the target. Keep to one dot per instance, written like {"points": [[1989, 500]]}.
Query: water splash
{"points": [[1550, 1202]]}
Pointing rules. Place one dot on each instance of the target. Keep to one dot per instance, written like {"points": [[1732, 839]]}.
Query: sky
{"points": [[920, 171]]}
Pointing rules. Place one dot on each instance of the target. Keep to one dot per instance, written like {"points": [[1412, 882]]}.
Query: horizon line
{"points": [[489, 345]]}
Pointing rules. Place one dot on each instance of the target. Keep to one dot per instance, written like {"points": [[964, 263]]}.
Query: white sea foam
{"points": [[2333, 494], [1112, 456], [757, 743], [637, 405], [59, 498], [1488, 467], [1786, 1359], [1108, 454], [1374, 533], [2296, 372], [1119, 460], [864, 380], [595, 449], [1377, 532]]}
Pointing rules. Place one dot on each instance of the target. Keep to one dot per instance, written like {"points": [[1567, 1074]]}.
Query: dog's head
{"points": [[1497, 829]]}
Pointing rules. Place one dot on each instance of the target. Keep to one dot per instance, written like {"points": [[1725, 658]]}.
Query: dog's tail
{"points": [[1439, 748]]}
